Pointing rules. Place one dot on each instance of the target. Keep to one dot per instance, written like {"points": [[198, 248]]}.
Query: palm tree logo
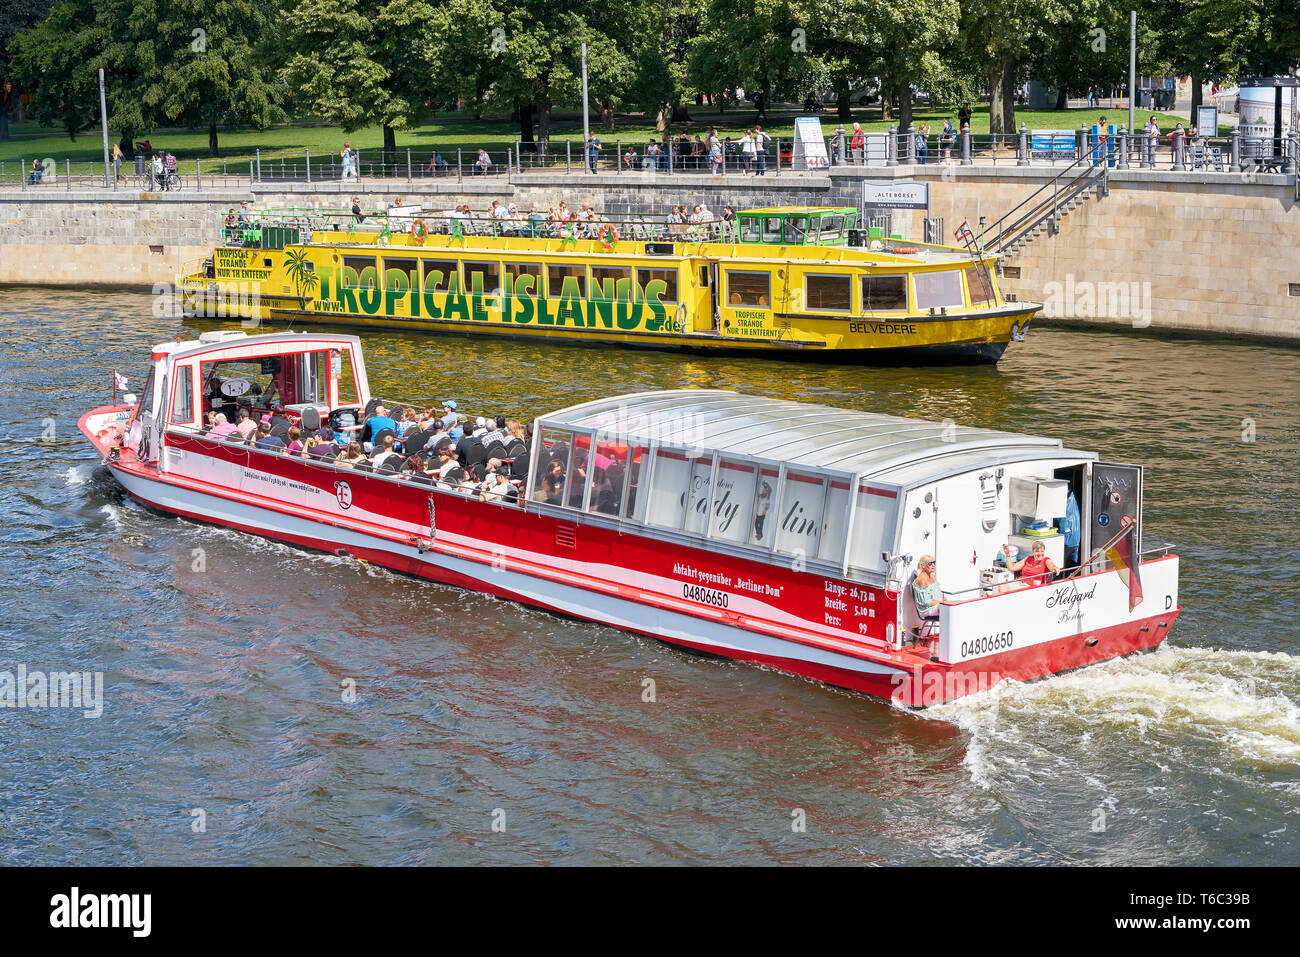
{"points": [[302, 272]]}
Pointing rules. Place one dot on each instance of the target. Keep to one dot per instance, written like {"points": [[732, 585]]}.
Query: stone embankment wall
{"points": [[52, 237], [1194, 252]]}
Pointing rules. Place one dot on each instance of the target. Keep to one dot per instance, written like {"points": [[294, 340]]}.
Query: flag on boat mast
{"points": [[119, 381], [1120, 554]]}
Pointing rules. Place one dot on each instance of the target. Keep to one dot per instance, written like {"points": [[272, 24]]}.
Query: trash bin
{"points": [[1144, 100], [139, 165]]}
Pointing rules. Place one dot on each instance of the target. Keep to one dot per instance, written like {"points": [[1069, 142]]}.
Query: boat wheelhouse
{"points": [[796, 281], [760, 529]]}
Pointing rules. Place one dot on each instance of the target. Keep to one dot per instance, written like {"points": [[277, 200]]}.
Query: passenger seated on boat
{"points": [[497, 434], [279, 423], [352, 456], [376, 424], [473, 482], [386, 449], [1034, 569], [500, 490], [246, 426], [549, 490], [294, 445], [926, 593], [358, 216], [323, 448], [221, 427], [446, 461], [579, 482], [266, 439]]}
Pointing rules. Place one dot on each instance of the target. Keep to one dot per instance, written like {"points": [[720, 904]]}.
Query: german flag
{"points": [[1120, 554]]}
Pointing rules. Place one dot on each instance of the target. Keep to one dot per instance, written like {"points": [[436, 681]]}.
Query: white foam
{"points": [[77, 475], [1235, 706]]}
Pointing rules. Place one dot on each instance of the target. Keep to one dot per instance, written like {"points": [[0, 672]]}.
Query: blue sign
{"points": [[1103, 519]]}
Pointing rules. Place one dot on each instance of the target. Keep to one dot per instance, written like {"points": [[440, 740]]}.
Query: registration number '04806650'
{"points": [[706, 595], [987, 644]]}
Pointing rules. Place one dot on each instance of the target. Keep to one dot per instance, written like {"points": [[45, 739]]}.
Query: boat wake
{"points": [[1223, 711]]}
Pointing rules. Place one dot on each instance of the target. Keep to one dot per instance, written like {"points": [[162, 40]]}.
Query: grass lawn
{"points": [[450, 132]]}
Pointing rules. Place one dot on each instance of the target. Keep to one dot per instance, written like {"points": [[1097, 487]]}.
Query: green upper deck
{"points": [[797, 225]]}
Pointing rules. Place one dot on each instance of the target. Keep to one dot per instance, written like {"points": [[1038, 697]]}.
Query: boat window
{"points": [[359, 272], [608, 473], [551, 480], [796, 230], [697, 502], [483, 277], [733, 501], [937, 290], [763, 521], [667, 276], [441, 271], [666, 501], [772, 229], [832, 228], [835, 517], [884, 293], [830, 292], [751, 229], [146, 394], [579, 470], [799, 521], [515, 270], [341, 369], [748, 288], [566, 281], [634, 508], [183, 400], [605, 282], [875, 519], [979, 286], [400, 273]]}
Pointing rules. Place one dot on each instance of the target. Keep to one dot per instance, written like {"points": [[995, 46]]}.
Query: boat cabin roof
{"points": [[886, 449], [232, 344]]}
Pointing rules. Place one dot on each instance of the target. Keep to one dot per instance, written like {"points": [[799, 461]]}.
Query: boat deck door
{"points": [[1116, 492], [709, 315]]}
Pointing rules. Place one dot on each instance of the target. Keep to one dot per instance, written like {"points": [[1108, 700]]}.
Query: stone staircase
{"points": [[1042, 212], [1051, 222]]}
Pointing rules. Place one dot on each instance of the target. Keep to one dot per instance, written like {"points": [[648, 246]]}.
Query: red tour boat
{"points": [[770, 531]]}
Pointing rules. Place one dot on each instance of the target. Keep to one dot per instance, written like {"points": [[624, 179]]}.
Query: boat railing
{"points": [[276, 228], [1102, 563]]}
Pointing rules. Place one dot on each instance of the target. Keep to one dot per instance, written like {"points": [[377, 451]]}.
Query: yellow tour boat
{"points": [[783, 281]]}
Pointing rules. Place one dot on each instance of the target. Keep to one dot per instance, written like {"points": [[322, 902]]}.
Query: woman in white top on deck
{"points": [[746, 152]]}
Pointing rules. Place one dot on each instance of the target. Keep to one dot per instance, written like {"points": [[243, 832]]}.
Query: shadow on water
{"points": [[227, 658]]}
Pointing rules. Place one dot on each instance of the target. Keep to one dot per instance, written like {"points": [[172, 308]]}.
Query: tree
{"points": [[1000, 35], [50, 59], [15, 17], [358, 63]]}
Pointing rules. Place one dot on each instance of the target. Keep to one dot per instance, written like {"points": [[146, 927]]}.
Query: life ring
{"points": [[608, 236], [903, 250], [419, 231]]}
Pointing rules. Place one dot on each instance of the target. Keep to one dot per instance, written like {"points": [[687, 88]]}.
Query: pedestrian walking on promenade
{"points": [[761, 142]]}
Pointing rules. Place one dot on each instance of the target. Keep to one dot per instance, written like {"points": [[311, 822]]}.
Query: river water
{"points": [[225, 736]]}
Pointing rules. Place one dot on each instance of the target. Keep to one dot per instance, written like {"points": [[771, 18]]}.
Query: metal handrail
{"points": [[1081, 181], [1050, 184]]}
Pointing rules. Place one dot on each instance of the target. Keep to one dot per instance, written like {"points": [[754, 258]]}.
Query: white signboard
{"points": [[1207, 121], [895, 194], [809, 144], [235, 387]]}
